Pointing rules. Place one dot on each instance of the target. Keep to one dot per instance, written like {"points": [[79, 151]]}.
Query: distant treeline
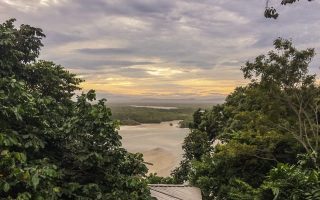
{"points": [[129, 115]]}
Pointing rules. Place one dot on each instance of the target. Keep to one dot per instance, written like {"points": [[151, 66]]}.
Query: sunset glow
{"points": [[159, 49]]}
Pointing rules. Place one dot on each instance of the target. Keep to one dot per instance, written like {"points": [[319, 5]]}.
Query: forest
{"points": [[129, 115]]}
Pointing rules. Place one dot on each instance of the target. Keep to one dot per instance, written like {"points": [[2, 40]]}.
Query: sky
{"points": [[170, 50]]}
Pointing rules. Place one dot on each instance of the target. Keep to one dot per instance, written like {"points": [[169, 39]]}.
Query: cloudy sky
{"points": [[162, 49]]}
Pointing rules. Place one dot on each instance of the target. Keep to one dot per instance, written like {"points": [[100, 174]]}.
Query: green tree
{"points": [[215, 121], [197, 118], [52, 147], [284, 74], [195, 145], [270, 121]]}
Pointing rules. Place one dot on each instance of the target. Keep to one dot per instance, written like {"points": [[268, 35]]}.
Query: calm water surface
{"points": [[156, 107], [160, 144]]}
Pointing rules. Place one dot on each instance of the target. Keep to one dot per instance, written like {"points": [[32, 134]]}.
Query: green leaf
{"points": [[56, 189], [4, 152], [6, 187], [21, 157], [35, 181]]}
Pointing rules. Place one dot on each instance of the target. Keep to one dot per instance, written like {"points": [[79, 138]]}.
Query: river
{"points": [[161, 144]]}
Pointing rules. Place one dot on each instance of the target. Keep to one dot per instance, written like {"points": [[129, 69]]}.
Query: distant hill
{"points": [[129, 99]]}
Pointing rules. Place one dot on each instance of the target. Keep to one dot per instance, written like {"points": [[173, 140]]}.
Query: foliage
{"points": [[270, 121], [212, 122], [180, 174], [285, 75], [291, 182], [197, 118], [129, 115], [241, 190], [248, 156], [153, 178], [195, 145], [271, 12], [186, 123], [52, 147]]}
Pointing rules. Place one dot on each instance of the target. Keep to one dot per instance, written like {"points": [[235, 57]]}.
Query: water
{"points": [[161, 144], [156, 107]]}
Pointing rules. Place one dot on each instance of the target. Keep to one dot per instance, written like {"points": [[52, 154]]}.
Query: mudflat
{"points": [[161, 144]]}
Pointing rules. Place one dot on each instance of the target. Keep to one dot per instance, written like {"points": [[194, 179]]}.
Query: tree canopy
{"points": [[265, 133], [51, 145]]}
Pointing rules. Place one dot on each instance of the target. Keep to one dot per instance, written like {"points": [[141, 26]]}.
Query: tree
{"points": [[285, 75], [270, 121], [195, 145], [52, 147], [197, 115], [271, 12]]}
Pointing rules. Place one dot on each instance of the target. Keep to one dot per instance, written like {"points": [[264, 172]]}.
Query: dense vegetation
{"points": [[267, 134], [52, 147], [129, 115]]}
